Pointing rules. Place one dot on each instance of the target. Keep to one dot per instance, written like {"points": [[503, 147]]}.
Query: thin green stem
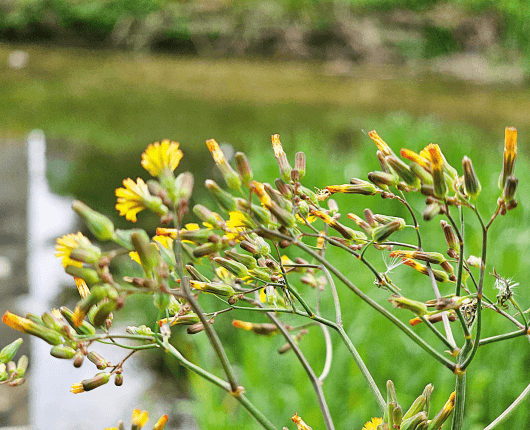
{"points": [[504, 336], [398, 323], [240, 397], [212, 335], [509, 410], [309, 370]]}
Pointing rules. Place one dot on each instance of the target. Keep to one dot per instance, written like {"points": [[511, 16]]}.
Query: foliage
{"points": [[249, 261]]}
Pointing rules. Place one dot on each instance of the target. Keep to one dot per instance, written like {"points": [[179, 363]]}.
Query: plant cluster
{"points": [[239, 256]]}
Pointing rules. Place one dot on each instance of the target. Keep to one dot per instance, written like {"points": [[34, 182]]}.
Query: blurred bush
{"points": [[358, 30]]}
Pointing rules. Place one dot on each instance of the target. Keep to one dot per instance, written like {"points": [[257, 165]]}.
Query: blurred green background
{"points": [[105, 78]]}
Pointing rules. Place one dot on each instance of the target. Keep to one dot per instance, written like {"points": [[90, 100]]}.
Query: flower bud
{"points": [[471, 182], [281, 157], [118, 380], [247, 260], [85, 328], [224, 199], [510, 187], [206, 249], [78, 358], [361, 187], [62, 351], [206, 215], [383, 179], [230, 176], [103, 312], [285, 190], [381, 233], [416, 407], [450, 238], [161, 423], [380, 143], [263, 329], [243, 168], [299, 164], [98, 360], [424, 176], [98, 224], [403, 171], [237, 269], [249, 247], [413, 422], [147, 252], [430, 257], [439, 275], [510, 155], [361, 223], [440, 187], [397, 416], [401, 302], [9, 351], [284, 217], [431, 211], [444, 413], [26, 326], [277, 197], [90, 276], [22, 366], [90, 384], [217, 288]]}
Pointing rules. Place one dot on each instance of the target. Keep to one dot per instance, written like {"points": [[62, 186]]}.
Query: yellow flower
{"points": [[132, 199], [160, 156], [380, 143], [66, 244], [77, 388], [372, 425], [139, 419]]}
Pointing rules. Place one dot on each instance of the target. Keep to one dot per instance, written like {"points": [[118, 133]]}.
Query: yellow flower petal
{"points": [[160, 156], [372, 425], [139, 418], [132, 198], [66, 244]]}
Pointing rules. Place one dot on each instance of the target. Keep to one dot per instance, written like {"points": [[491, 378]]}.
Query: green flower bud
{"points": [[224, 199], [103, 312], [413, 422], [299, 164], [98, 360], [510, 187], [383, 179], [85, 328], [283, 216], [309, 194], [444, 413], [123, 237], [206, 215], [62, 351], [118, 380], [217, 288], [243, 168], [424, 176], [78, 358], [9, 351], [90, 276], [403, 171], [416, 407], [471, 182], [431, 211], [381, 233], [22, 366], [184, 186], [147, 251], [397, 415], [247, 260], [285, 190], [195, 274], [98, 224], [418, 308], [4, 375], [195, 328], [27, 326], [261, 274]]}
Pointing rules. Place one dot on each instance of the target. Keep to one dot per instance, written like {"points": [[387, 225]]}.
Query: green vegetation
{"points": [[259, 27], [101, 111]]}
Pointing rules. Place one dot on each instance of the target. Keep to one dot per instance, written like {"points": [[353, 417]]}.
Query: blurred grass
{"points": [[100, 111]]}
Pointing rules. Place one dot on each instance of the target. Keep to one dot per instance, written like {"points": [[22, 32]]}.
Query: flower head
{"points": [[300, 424], [135, 197], [372, 425], [161, 156], [66, 244], [139, 418], [81, 287]]}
